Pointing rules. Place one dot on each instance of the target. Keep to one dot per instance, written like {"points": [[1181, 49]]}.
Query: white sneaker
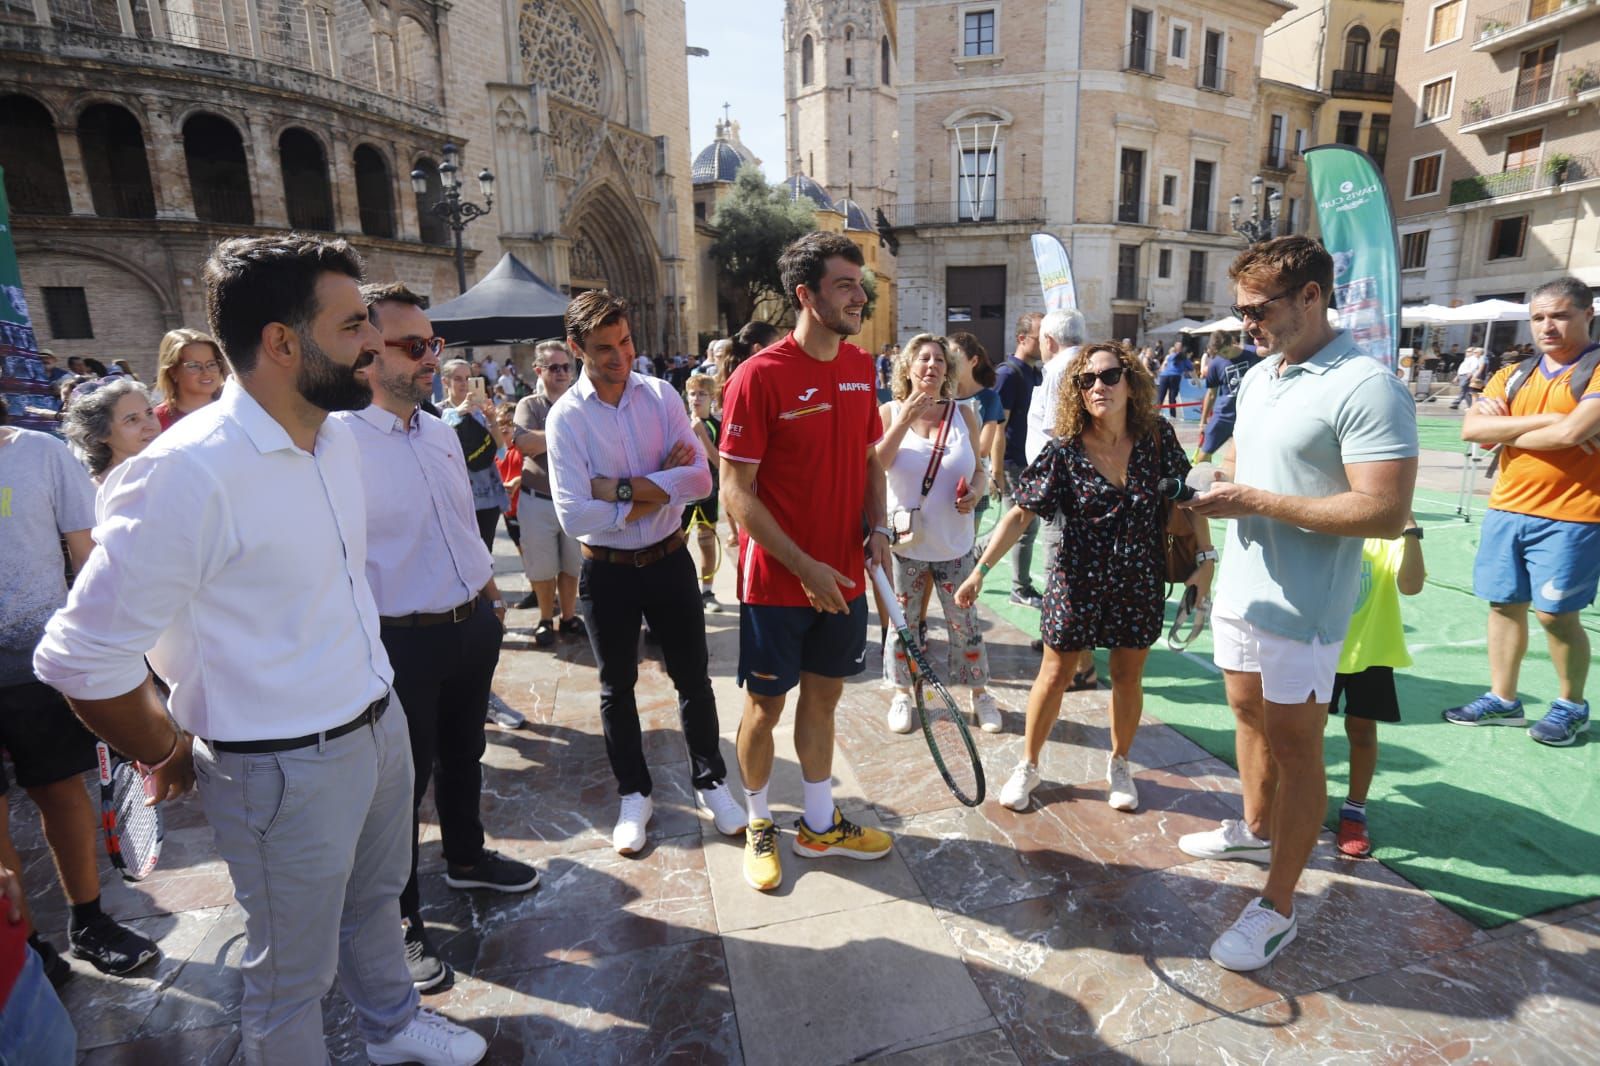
{"points": [[728, 815], [1230, 840], [628, 836], [1018, 789], [901, 713], [432, 1041], [1255, 939], [1123, 794], [986, 711]]}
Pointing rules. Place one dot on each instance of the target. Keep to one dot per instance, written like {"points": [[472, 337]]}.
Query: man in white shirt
{"points": [[232, 551], [623, 462], [440, 615]]}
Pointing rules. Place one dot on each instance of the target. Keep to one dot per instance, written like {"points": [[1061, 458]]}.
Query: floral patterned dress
{"points": [[1107, 585]]}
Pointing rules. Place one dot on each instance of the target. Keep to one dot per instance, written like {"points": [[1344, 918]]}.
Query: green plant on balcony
{"points": [[1490, 28], [1477, 109], [1556, 167], [1582, 79]]}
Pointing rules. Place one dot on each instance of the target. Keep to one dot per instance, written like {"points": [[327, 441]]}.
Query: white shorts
{"points": [[1291, 671], [547, 550]]}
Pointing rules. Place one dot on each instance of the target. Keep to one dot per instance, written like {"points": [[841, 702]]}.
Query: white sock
{"points": [[819, 804], [705, 586], [756, 803]]}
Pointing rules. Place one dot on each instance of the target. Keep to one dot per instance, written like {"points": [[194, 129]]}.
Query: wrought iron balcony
{"points": [[1556, 169], [1364, 84], [1528, 19], [965, 213]]}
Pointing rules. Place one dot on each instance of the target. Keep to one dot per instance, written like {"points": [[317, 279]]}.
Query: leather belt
{"points": [[654, 553], [454, 616], [369, 716]]}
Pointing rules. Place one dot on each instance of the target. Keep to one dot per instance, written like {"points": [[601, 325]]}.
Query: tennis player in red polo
{"points": [[802, 481]]}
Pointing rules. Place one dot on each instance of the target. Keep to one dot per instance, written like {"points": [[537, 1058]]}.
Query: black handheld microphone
{"points": [[1173, 489]]}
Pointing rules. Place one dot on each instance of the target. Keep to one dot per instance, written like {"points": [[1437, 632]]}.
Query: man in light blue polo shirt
{"points": [[1325, 455]]}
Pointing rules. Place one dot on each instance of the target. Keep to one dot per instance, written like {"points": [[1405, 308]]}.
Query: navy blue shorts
{"points": [[777, 644], [1215, 436]]}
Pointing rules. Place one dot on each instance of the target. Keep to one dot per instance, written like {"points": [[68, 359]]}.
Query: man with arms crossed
{"points": [[1541, 536], [1325, 454], [803, 482], [623, 463], [233, 552], [440, 615]]}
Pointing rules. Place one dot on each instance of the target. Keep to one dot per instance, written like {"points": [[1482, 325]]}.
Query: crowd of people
{"points": [[283, 590]]}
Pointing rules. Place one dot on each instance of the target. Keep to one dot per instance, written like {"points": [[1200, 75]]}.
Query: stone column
{"points": [[125, 17], [77, 177], [406, 224], [41, 12], [158, 21], [169, 166], [261, 155], [346, 209]]}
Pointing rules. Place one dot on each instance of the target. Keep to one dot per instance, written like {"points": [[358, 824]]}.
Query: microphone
{"points": [[1172, 489], [1201, 477]]}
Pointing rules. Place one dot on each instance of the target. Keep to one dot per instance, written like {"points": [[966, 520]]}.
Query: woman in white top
{"points": [[922, 419]]}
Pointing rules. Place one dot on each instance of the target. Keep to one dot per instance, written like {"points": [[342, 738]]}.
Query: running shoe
{"points": [[729, 818], [1121, 792], [902, 715], [708, 600], [762, 870], [1561, 724], [544, 634], [845, 838], [432, 1041], [1352, 838], [629, 834], [1255, 939], [111, 947], [429, 973], [1487, 709], [493, 871], [1230, 840], [1018, 789], [504, 716], [1027, 597], [987, 712]]}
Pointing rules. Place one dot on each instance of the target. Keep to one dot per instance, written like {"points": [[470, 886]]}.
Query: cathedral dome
{"points": [[799, 185], [717, 161], [855, 216]]}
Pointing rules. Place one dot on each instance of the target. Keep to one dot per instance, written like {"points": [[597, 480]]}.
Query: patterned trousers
{"points": [[968, 662]]}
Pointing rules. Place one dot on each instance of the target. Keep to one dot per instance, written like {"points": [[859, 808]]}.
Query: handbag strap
{"points": [[938, 449]]}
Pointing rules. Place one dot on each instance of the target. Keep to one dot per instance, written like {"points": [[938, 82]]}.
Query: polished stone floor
{"points": [[1070, 932]]}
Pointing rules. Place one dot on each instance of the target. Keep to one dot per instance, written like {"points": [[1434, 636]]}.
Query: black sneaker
{"points": [[429, 973], [57, 969], [492, 870], [112, 947], [1027, 598], [544, 634], [708, 600], [572, 627], [527, 603]]}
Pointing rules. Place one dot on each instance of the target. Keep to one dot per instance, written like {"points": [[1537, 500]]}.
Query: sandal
{"points": [[572, 627], [1083, 681]]}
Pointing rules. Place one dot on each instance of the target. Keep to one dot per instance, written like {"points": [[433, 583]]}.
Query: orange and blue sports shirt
{"points": [[1565, 484]]}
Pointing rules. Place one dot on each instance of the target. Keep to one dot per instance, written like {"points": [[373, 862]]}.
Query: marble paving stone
{"points": [[843, 987], [192, 1047], [596, 903], [207, 991], [1096, 966], [810, 888], [988, 1048], [785, 792]]}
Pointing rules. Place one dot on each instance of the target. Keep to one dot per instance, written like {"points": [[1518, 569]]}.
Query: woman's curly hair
{"points": [[1072, 417]]}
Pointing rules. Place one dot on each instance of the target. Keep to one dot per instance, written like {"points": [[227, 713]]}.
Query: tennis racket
{"points": [[699, 521], [942, 725], [133, 831]]}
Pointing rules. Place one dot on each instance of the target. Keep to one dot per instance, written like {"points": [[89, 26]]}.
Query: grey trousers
{"points": [[1022, 551], [318, 843]]}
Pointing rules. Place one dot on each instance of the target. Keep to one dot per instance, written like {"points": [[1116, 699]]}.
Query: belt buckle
{"points": [[641, 559], [461, 612]]}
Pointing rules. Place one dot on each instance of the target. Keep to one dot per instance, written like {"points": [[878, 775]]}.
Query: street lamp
{"points": [[450, 207], [1265, 212]]}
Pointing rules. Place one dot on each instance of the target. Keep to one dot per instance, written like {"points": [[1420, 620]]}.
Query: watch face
{"points": [[624, 490]]}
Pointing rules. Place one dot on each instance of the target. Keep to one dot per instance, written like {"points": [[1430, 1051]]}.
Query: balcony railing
{"points": [[86, 14], [232, 206], [123, 200], [1526, 19], [1142, 59], [197, 31], [1134, 212], [1214, 80], [315, 217], [945, 213], [1129, 287], [1279, 158], [31, 198], [1198, 221], [377, 221], [1526, 97], [1363, 83], [1556, 170]]}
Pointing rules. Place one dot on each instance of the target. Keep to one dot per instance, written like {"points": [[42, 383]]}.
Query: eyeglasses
{"points": [[416, 347], [555, 368], [1107, 377], [210, 367], [1257, 312]]}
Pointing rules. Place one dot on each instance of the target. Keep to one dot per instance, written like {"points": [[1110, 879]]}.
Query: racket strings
{"points": [[139, 827]]}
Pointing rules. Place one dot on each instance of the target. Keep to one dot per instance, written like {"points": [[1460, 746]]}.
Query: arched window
{"points": [[849, 33], [808, 60], [432, 227], [883, 60], [1355, 49], [36, 184], [219, 177], [419, 64], [374, 192], [1388, 52], [112, 145], [305, 181]]}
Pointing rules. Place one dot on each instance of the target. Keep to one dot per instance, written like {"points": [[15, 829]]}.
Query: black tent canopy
{"points": [[510, 305]]}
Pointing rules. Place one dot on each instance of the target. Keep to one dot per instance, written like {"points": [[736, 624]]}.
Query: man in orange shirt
{"points": [[1541, 537]]}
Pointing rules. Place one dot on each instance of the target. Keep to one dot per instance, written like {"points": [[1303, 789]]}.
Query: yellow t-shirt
{"points": [[1376, 636], [1565, 484]]}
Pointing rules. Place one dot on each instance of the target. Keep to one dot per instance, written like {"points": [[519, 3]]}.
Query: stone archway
{"points": [[612, 248]]}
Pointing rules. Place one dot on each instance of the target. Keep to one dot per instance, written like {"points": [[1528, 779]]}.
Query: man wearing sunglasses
{"points": [[550, 555], [1325, 455], [440, 615]]}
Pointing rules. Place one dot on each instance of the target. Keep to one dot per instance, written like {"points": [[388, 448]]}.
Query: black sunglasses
{"points": [[416, 347], [1256, 311], [1107, 377]]}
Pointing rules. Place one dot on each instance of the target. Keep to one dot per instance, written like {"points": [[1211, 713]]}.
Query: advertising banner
{"points": [[1357, 223], [23, 382], [1055, 273]]}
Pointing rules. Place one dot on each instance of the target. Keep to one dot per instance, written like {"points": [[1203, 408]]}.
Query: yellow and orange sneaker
{"points": [[845, 838], [762, 870]]}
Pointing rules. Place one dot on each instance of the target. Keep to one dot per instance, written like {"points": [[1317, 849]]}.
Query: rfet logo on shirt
{"points": [[808, 424]]}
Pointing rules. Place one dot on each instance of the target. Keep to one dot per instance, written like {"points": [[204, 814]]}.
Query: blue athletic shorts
{"points": [[1216, 434], [777, 643], [1554, 565]]}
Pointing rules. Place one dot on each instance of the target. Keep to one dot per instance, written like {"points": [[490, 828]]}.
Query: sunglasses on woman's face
{"points": [[417, 347], [1108, 377]]}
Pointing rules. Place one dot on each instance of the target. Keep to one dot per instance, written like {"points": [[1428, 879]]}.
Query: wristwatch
{"points": [[885, 530], [1207, 556], [1414, 531], [624, 490]]}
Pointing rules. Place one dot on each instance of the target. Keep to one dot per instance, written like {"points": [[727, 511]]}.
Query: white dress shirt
{"points": [[588, 438], [236, 561], [424, 554], [1042, 411]]}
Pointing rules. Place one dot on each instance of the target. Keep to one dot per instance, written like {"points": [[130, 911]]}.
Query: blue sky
{"points": [[745, 69]]}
